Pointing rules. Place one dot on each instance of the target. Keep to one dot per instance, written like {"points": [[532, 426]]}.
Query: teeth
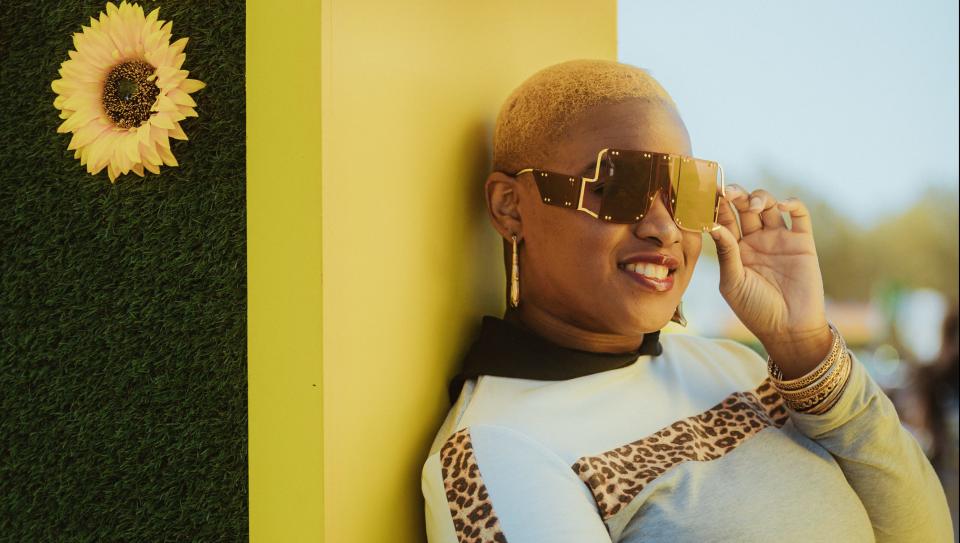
{"points": [[650, 270]]}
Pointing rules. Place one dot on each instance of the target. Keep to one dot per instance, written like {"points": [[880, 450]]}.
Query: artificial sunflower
{"points": [[123, 93]]}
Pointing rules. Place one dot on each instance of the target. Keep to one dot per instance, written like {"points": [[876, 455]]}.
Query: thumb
{"points": [[728, 254]]}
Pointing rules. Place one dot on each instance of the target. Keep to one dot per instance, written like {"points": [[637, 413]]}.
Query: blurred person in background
{"points": [[937, 387]]}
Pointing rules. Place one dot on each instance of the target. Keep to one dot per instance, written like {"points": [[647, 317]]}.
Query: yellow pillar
{"points": [[284, 272], [391, 105]]}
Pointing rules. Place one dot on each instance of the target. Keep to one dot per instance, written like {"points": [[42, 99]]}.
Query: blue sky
{"points": [[856, 99]]}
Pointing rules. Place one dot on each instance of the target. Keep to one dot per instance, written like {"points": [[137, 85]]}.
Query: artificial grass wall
{"points": [[122, 307]]}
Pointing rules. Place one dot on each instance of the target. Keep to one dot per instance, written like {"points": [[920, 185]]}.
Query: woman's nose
{"points": [[658, 223]]}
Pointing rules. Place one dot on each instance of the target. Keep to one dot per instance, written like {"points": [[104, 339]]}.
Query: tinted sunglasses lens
{"points": [[627, 182], [556, 189], [625, 178], [697, 194]]}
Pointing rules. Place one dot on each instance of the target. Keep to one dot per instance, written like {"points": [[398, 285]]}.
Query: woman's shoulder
{"points": [[454, 415]]}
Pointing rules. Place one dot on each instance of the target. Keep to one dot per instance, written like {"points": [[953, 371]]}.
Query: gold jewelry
{"points": [[678, 316], [818, 390], [515, 277], [823, 390], [812, 375], [831, 400], [823, 401]]}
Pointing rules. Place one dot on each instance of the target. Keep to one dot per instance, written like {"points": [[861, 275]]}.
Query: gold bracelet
{"points": [[835, 397], [827, 392], [818, 389], [813, 375], [822, 385]]}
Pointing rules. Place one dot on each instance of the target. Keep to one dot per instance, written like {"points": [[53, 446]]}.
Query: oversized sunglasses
{"points": [[625, 182]]}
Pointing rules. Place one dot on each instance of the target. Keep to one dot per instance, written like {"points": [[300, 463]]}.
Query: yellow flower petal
{"points": [[192, 85], [130, 143], [79, 119], [155, 168], [153, 41], [82, 100], [167, 156], [159, 136], [171, 78], [164, 104], [121, 164], [178, 133], [179, 44], [143, 134], [98, 169], [87, 134], [161, 120], [100, 150], [150, 155], [60, 86]]}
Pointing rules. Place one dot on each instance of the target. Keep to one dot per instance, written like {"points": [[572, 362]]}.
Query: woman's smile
{"points": [[650, 277]]}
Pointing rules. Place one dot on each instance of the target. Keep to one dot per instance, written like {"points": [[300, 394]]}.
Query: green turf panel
{"points": [[123, 387]]}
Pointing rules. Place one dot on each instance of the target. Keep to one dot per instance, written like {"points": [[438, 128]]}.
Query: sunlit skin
{"points": [[573, 293]]}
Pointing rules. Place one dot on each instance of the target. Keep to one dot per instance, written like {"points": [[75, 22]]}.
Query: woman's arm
{"points": [[882, 461], [491, 483]]}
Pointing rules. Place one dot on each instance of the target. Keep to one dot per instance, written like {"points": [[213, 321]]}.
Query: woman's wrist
{"points": [[817, 390], [803, 353]]}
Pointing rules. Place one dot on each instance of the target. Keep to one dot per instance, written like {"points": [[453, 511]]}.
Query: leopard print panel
{"points": [[470, 507], [618, 475]]}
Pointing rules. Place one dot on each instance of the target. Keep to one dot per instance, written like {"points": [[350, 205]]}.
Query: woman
{"points": [[573, 420]]}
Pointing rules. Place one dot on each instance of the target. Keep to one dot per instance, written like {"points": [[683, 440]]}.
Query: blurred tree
{"points": [[915, 248]]}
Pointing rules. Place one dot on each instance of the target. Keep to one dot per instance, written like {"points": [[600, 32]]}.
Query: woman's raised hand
{"points": [[770, 277]]}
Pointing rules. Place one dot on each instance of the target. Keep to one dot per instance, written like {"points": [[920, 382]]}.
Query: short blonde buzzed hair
{"points": [[538, 111]]}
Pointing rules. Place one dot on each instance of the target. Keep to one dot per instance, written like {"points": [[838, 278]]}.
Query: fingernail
{"points": [[755, 202]]}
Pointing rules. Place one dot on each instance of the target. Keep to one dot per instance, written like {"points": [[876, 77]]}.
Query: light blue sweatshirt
{"points": [[692, 445]]}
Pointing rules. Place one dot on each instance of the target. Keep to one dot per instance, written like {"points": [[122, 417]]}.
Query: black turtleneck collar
{"points": [[509, 349]]}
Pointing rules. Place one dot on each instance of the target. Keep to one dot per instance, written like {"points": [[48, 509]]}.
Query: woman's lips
{"points": [[649, 283]]}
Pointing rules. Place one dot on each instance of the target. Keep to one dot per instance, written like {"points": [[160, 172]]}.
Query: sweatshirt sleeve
{"points": [[492, 483], [882, 461]]}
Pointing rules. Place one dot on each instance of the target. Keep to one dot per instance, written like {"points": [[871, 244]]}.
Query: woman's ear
{"points": [[503, 204]]}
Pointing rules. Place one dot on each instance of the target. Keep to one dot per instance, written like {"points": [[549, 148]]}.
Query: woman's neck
{"points": [[568, 335]]}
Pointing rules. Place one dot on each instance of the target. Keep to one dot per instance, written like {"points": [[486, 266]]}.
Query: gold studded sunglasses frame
{"points": [[561, 190]]}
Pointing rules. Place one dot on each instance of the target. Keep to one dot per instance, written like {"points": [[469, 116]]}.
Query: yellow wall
{"points": [[409, 261]]}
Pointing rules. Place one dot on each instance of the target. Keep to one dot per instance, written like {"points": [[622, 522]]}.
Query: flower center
{"points": [[128, 93]]}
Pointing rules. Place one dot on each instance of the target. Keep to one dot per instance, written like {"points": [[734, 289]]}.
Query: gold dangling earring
{"points": [[515, 277], [678, 316]]}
